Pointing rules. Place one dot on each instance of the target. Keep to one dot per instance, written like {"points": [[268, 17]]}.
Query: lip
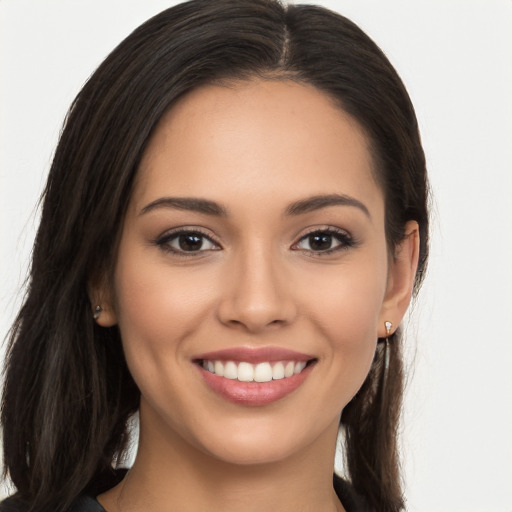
{"points": [[254, 355], [254, 393]]}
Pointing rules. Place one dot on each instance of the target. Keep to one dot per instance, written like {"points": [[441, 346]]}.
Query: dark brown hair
{"points": [[68, 394]]}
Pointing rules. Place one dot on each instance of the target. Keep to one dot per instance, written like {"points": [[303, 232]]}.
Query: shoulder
{"points": [[13, 504], [352, 501], [83, 503]]}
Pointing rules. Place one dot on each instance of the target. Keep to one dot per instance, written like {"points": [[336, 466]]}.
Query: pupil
{"points": [[320, 242], [190, 242]]}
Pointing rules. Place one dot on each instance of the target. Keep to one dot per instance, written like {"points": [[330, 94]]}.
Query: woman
{"points": [[233, 225]]}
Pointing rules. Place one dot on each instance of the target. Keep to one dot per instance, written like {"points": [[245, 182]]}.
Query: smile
{"points": [[246, 372], [254, 376]]}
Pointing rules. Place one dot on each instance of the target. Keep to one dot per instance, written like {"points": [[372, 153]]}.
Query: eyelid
{"points": [[345, 238], [163, 239]]}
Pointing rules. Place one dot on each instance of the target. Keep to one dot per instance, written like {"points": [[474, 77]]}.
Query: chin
{"points": [[262, 442], [252, 453]]}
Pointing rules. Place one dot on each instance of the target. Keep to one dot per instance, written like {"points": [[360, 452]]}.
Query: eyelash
{"points": [[346, 241], [164, 242]]}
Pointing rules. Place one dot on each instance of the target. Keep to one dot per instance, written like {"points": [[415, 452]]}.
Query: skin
{"points": [[254, 147]]}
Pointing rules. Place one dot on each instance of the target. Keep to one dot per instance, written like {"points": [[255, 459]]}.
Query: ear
{"points": [[401, 275], [100, 294]]}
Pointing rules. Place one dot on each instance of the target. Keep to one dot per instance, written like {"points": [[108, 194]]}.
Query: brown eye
{"points": [[320, 241], [324, 241], [186, 242], [190, 242]]}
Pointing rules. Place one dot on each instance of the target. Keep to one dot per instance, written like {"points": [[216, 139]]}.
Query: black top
{"points": [[84, 503]]}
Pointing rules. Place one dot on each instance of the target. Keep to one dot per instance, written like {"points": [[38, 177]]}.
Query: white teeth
{"points": [[261, 372], [288, 370], [218, 368], [299, 367], [278, 371], [245, 372], [230, 370]]}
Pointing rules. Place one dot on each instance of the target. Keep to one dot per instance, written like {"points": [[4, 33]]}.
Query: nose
{"points": [[257, 293]]}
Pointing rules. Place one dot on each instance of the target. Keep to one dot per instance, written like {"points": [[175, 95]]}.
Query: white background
{"points": [[455, 57]]}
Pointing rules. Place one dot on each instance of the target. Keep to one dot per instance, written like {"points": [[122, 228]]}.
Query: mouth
{"points": [[245, 371], [254, 377]]}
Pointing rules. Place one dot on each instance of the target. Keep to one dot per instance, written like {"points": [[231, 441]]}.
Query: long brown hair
{"points": [[68, 394]]}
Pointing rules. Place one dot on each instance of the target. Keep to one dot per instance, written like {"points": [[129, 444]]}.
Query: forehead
{"points": [[256, 138]]}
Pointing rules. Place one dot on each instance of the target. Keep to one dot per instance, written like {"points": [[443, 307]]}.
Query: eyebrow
{"points": [[186, 203], [323, 201], [208, 207]]}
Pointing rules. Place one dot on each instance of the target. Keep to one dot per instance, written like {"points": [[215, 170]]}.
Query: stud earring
{"points": [[97, 312]]}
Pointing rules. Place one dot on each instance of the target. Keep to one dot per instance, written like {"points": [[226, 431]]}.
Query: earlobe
{"points": [[103, 312], [104, 316], [402, 273]]}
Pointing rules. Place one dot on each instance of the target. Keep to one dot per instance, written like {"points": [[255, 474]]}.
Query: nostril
{"points": [[256, 305]]}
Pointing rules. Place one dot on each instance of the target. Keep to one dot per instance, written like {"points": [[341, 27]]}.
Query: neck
{"points": [[170, 474]]}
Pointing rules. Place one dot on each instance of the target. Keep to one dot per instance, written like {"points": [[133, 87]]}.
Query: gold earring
{"points": [[97, 312]]}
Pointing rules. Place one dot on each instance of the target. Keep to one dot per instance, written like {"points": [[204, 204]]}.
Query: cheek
{"points": [[345, 312], [348, 300], [157, 310]]}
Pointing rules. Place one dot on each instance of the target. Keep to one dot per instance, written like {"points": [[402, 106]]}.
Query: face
{"points": [[253, 276]]}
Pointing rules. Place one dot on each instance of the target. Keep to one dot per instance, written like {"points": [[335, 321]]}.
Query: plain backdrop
{"points": [[455, 57]]}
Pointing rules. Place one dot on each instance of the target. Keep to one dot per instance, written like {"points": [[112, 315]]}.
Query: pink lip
{"points": [[254, 355], [254, 393]]}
